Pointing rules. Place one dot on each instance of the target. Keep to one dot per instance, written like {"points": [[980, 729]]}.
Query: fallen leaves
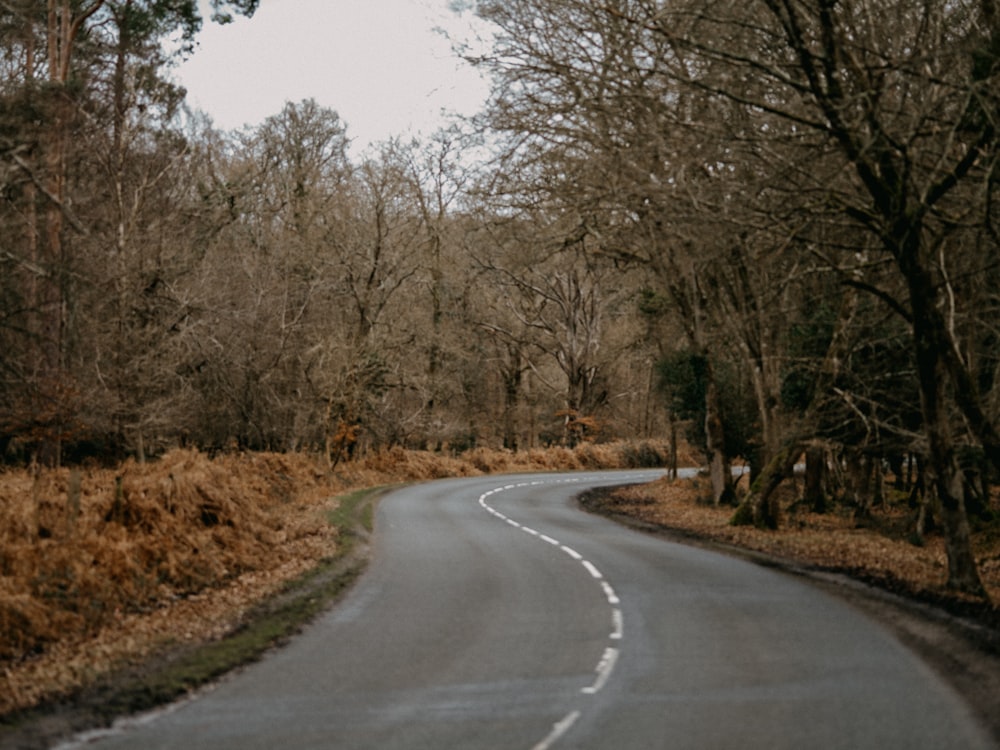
{"points": [[878, 551], [180, 549], [101, 568], [170, 550]]}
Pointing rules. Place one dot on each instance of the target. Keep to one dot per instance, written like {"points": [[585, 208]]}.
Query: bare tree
{"points": [[592, 127], [439, 180], [905, 93], [77, 78]]}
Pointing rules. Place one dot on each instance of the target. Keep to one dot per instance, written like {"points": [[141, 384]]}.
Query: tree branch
{"points": [[882, 295], [70, 216]]}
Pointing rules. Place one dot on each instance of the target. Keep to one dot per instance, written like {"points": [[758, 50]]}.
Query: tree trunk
{"points": [[719, 469], [963, 573], [759, 507], [930, 339], [815, 494], [858, 482], [511, 402], [672, 468]]}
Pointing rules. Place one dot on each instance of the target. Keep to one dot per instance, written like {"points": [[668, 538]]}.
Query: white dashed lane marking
{"points": [[558, 730], [609, 658]]}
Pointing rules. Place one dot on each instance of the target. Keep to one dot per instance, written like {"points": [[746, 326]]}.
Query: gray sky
{"points": [[378, 63]]}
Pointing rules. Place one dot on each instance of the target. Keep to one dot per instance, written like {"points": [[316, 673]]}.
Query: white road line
{"points": [[558, 730], [604, 669], [610, 593], [610, 657], [617, 624]]}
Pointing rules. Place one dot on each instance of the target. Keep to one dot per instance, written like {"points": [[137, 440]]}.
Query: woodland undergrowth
{"points": [[100, 568], [880, 548]]}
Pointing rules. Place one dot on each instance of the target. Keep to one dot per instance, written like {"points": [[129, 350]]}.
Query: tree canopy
{"points": [[772, 222]]}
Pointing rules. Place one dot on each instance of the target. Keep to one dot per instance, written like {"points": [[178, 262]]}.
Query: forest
{"points": [[770, 225]]}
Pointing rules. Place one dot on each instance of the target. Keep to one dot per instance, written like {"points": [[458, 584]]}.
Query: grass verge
{"points": [[355, 511]]}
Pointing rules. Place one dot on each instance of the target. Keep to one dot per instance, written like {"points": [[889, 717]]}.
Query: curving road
{"points": [[497, 615]]}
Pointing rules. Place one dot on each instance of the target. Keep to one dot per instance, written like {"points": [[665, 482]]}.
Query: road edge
{"points": [[964, 652]]}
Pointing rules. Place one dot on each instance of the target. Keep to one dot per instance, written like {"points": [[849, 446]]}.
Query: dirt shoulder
{"points": [[957, 638]]}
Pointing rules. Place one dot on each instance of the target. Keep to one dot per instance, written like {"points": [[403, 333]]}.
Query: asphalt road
{"points": [[495, 614]]}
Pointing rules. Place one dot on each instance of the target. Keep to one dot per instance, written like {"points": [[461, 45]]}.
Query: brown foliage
{"points": [[106, 566], [144, 536], [879, 550]]}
